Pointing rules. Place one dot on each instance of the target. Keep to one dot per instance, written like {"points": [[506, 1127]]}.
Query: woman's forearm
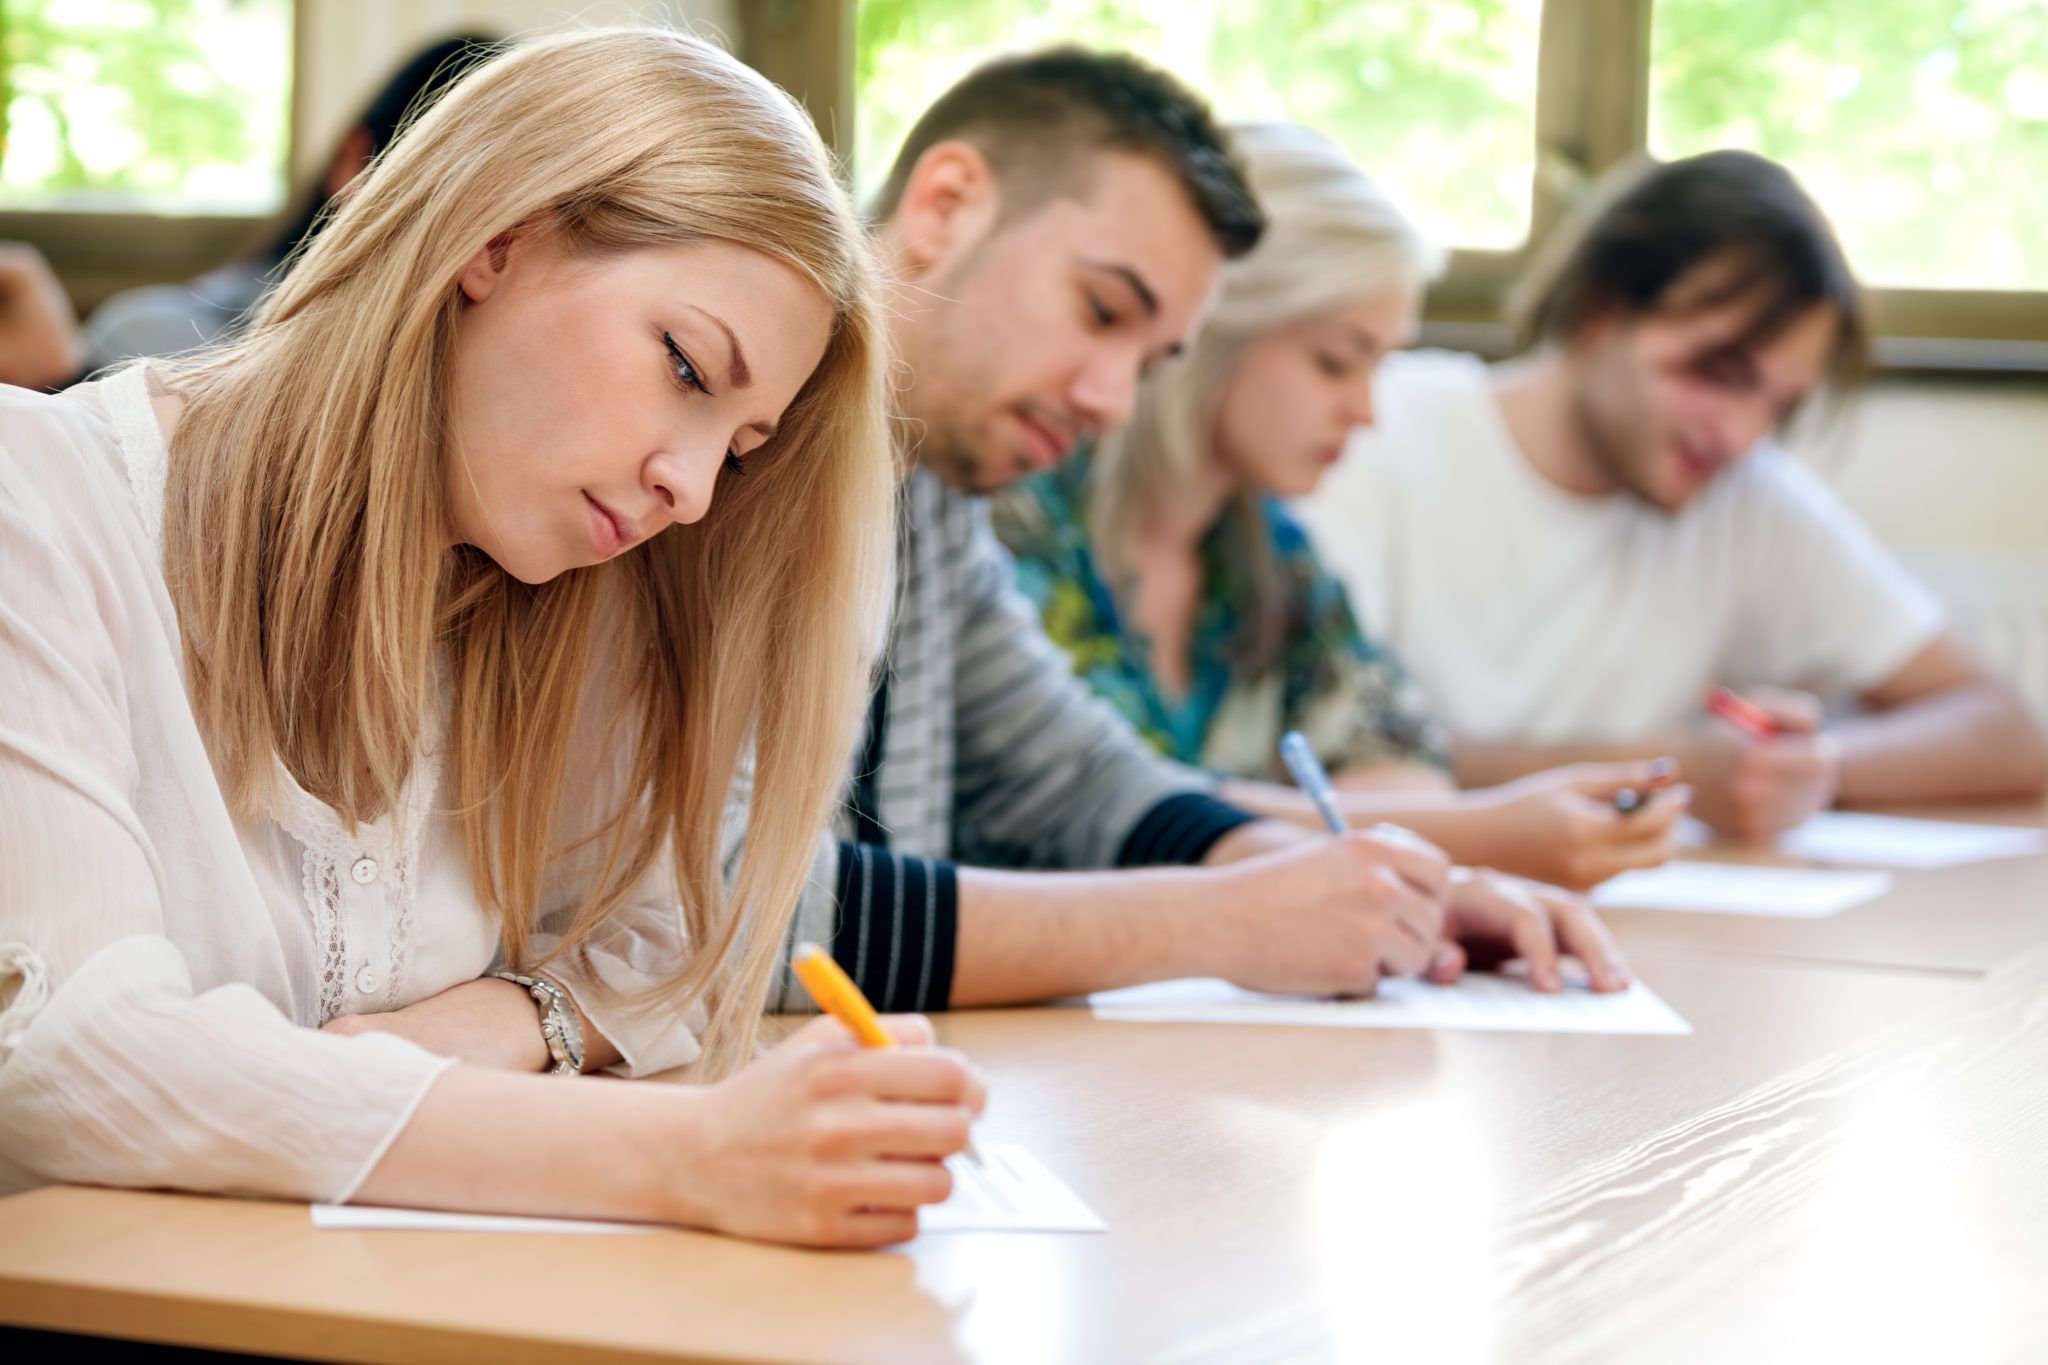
{"points": [[488, 1022], [486, 1140]]}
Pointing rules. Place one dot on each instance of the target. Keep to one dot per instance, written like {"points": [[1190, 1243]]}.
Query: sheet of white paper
{"points": [[1729, 889], [1477, 1001], [1855, 839], [1009, 1191], [1694, 833], [428, 1220]]}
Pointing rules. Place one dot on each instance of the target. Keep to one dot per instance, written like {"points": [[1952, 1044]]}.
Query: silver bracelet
{"points": [[558, 1022]]}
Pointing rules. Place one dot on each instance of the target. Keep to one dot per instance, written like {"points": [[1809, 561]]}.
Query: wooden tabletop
{"points": [[1832, 1139], [1886, 1202]]}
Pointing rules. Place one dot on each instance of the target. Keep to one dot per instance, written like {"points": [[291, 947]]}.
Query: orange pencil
{"points": [[835, 993]]}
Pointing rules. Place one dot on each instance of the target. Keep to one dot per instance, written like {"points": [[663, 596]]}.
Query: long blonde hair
{"points": [[1333, 235], [307, 533]]}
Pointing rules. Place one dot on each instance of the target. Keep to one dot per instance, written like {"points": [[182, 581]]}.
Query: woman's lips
{"points": [[608, 534]]}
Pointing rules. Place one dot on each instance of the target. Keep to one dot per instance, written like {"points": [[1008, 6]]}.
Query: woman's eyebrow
{"points": [[1362, 339], [735, 359]]}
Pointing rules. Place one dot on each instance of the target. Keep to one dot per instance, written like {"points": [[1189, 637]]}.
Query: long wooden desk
{"points": [[1887, 1202], [1832, 1139]]}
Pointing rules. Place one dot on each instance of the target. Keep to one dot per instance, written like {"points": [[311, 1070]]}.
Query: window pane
{"points": [[1435, 97], [1920, 125], [179, 106]]}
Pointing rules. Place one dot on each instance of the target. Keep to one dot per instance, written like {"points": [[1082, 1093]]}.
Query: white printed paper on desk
{"points": [[1856, 839], [1009, 1191], [1731, 889], [1476, 1001], [371, 1216]]}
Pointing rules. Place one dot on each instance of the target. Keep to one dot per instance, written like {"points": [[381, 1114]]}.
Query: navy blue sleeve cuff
{"points": [[899, 918], [1181, 829]]}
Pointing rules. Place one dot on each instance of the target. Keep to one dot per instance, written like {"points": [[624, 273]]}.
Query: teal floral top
{"points": [[1351, 697]]}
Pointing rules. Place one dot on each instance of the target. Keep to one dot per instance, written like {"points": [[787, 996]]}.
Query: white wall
{"points": [[1946, 465], [350, 47], [1954, 476]]}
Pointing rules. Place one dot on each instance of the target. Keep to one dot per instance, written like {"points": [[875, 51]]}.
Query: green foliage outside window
{"points": [[1921, 125], [169, 105], [1436, 98]]}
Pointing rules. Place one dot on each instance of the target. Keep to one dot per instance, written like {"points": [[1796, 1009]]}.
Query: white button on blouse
{"points": [[366, 980], [364, 872]]}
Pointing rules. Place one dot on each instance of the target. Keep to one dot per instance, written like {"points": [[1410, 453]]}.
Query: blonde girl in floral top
{"points": [[1168, 567], [1320, 675]]}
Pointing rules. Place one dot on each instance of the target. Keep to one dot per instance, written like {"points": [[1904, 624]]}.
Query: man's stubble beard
{"points": [[1610, 438], [943, 440]]}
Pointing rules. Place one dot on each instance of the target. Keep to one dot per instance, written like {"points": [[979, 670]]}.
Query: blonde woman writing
{"points": [[1168, 568], [424, 631]]}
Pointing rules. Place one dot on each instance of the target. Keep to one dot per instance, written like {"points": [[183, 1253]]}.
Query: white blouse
{"points": [[164, 969]]}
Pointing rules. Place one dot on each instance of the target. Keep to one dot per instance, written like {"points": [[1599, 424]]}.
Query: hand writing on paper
{"points": [[825, 1143], [1561, 826], [1757, 787], [1336, 912], [1490, 918]]}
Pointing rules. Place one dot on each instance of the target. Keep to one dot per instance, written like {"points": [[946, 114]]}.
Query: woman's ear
{"points": [[485, 272]]}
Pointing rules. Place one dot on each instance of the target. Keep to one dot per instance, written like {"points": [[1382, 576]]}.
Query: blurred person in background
{"points": [[41, 343], [1166, 566], [1054, 225], [1572, 548]]}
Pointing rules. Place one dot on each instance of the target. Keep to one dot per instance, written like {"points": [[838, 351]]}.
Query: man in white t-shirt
{"points": [[1572, 548]]}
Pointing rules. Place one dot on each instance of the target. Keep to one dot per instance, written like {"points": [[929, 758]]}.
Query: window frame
{"points": [[1592, 111]]}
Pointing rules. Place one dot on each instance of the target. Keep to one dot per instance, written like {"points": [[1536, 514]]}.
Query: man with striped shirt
{"points": [[1055, 224]]}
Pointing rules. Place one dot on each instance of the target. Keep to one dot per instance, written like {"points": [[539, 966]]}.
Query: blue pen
{"points": [[1310, 777]]}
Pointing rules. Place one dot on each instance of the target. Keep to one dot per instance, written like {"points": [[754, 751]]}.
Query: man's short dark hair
{"points": [[1652, 224], [1037, 117]]}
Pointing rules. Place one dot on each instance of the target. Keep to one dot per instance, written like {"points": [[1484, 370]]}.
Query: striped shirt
{"points": [[982, 747]]}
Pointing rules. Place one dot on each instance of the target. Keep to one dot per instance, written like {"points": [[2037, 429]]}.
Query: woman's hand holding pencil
{"points": [[834, 1138]]}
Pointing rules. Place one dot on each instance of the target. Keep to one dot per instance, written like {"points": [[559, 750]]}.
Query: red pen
{"points": [[1743, 714]]}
